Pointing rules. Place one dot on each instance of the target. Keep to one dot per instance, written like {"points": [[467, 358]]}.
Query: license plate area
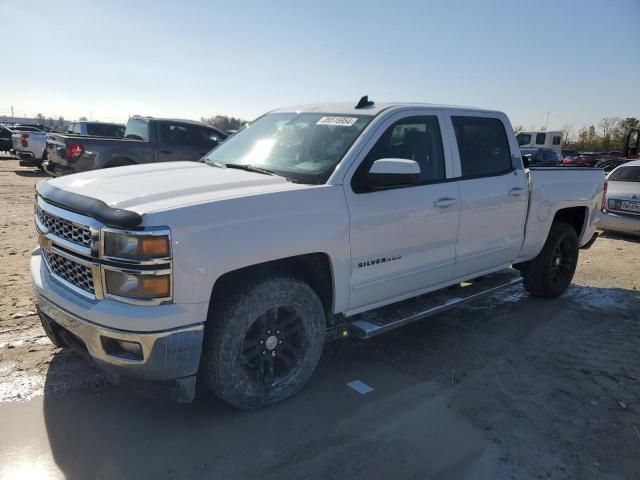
{"points": [[629, 206]]}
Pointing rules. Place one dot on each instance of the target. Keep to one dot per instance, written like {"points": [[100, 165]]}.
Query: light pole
{"points": [[546, 125]]}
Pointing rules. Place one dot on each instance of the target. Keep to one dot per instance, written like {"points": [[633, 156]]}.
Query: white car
{"points": [[623, 199], [311, 222]]}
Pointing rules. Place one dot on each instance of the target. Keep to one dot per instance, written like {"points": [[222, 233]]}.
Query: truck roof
{"points": [[181, 120], [372, 110]]}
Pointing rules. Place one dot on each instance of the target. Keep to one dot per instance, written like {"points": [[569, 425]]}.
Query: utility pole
{"points": [[546, 125]]}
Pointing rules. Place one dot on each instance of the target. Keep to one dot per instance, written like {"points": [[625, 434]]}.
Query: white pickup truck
{"points": [[312, 222]]}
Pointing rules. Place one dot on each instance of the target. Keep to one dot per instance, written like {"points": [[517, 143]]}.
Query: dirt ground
{"points": [[510, 387]]}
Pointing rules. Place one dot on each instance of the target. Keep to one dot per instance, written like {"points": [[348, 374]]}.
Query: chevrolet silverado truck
{"points": [[28, 145], [311, 223], [146, 140]]}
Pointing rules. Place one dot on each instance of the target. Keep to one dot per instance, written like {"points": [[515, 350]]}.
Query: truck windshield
{"points": [[303, 147], [625, 174], [137, 129]]}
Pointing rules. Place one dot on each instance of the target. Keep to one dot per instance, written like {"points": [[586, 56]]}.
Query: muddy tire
{"points": [[550, 273], [263, 342]]}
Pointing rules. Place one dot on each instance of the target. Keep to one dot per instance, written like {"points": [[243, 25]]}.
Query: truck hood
{"points": [[159, 186]]}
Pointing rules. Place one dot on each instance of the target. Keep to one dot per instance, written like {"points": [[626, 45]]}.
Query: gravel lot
{"points": [[511, 387]]}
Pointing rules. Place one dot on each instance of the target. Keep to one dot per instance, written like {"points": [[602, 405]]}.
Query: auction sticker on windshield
{"points": [[337, 121]]}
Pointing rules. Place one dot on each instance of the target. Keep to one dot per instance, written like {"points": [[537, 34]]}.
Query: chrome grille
{"points": [[70, 271], [65, 229]]}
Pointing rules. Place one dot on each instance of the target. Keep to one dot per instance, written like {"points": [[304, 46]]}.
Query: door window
{"points": [[541, 138], [205, 137], [482, 145], [412, 138], [173, 134]]}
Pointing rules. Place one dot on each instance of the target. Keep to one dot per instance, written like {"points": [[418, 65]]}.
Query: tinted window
{"points": [[105, 130], [174, 134], [483, 146], [557, 140], [625, 174], [413, 138], [524, 139], [205, 137], [541, 138], [137, 129]]}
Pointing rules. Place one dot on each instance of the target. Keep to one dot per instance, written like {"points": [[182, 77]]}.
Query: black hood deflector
{"points": [[92, 207]]}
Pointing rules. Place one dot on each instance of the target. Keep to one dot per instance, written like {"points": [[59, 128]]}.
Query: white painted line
{"points": [[360, 387]]}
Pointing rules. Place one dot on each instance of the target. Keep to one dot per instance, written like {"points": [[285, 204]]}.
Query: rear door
{"points": [[493, 193], [183, 141], [402, 239]]}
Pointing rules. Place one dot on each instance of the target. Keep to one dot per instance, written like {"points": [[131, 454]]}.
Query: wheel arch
{"points": [[314, 268], [576, 217]]}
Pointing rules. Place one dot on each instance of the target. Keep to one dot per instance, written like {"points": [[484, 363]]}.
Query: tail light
{"points": [[74, 151], [23, 140], [603, 205]]}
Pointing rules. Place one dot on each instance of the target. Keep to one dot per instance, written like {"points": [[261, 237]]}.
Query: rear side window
{"points": [[105, 130], [541, 138], [483, 146], [137, 129], [557, 140]]}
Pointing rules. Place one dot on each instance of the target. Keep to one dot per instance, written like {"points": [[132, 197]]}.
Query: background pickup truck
{"points": [[312, 222], [29, 145], [146, 140]]}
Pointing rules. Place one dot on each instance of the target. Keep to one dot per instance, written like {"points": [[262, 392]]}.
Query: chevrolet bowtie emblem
{"points": [[44, 242]]}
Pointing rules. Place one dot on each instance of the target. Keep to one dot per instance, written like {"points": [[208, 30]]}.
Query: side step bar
{"points": [[389, 317]]}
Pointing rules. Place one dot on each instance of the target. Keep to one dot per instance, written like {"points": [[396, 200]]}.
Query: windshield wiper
{"points": [[243, 166]]}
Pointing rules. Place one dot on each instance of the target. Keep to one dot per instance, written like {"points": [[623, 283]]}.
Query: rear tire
{"points": [[263, 342], [550, 273]]}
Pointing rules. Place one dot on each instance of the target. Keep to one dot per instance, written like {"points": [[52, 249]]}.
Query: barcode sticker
{"points": [[337, 121]]}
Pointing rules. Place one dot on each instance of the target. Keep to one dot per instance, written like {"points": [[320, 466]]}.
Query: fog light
{"points": [[122, 348]]}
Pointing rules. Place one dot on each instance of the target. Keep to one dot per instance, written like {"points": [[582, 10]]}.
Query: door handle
{"points": [[166, 152], [445, 202], [516, 191]]}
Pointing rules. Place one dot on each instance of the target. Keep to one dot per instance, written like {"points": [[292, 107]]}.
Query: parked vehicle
{"points": [[586, 159], [541, 139], [312, 222], [541, 157], [570, 153], [630, 152], [146, 140], [29, 145], [96, 129], [6, 143], [622, 212], [25, 127]]}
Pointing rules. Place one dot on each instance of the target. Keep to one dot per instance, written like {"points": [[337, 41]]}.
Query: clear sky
{"points": [[107, 59]]}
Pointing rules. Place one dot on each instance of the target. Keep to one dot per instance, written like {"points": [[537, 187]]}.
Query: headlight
{"points": [[135, 247], [137, 286]]}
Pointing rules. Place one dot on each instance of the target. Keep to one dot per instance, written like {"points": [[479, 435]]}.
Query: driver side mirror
{"points": [[393, 172], [526, 160]]}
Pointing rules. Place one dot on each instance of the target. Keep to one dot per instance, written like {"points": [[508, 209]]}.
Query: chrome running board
{"points": [[389, 317]]}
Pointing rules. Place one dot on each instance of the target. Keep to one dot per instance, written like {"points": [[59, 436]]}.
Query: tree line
{"points": [[609, 135]]}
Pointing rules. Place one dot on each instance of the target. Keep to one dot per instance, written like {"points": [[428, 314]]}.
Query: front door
{"points": [[402, 239]]}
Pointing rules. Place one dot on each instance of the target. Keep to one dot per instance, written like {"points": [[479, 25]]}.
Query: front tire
{"points": [[264, 342], [550, 273]]}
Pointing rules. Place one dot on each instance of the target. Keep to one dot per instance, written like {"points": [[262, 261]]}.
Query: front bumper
{"points": [[629, 224], [170, 356]]}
